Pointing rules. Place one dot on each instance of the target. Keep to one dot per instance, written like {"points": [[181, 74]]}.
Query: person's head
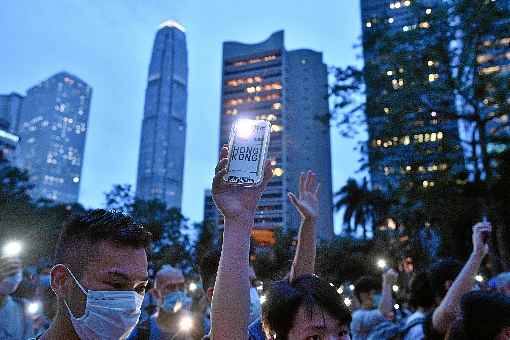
{"points": [[502, 283], [485, 316], [442, 275], [421, 294], [208, 270], [304, 309], [99, 251], [366, 291], [169, 280], [11, 274]]}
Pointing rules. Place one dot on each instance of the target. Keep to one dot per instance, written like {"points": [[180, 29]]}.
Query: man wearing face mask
{"points": [[99, 277], [14, 323], [375, 308], [173, 303]]}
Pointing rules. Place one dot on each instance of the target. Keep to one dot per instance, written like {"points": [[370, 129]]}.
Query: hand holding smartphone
{"points": [[247, 152]]}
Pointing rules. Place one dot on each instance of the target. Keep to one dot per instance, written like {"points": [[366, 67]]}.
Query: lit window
{"points": [[433, 137], [428, 11], [407, 3], [368, 24], [397, 4], [433, 113], [425, 184], [405, 28], [76, 179], [439, 135], [278, 172], [424, 24], [433, 77], [401, 82], [392, 5], [250, 89], [389, 73], [430, 63], [421, 168], [277, 106], [391, 20], [386, 110], [378, 142], [407, 140], [408, 168]]}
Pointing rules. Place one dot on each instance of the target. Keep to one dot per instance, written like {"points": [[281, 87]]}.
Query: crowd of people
{"points": [[98, 286]]}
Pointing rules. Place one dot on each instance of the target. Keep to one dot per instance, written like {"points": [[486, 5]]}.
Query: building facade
{"points": [[10, 109], [289, 89], [409, 146], [52, 129], [163, 138]]}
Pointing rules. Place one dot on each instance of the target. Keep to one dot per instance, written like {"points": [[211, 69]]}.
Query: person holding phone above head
{"points": [[14, 322], [316, 311], [99, 277]]}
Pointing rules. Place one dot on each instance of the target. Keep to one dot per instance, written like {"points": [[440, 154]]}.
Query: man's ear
{"points": [[60, 281], [209, 294]]}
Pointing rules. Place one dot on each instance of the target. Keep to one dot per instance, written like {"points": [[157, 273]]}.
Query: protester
{"points": [[421, 299], [307, 205], [173, 305], [375, 308], [230, 305], [306, 308], [99, 277], [485, 316], [438, 323], [14, 323]]}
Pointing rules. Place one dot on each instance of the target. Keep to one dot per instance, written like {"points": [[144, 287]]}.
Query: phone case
{"points": [[248, 144]]}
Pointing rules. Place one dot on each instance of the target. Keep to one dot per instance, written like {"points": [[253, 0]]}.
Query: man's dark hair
{"points": [[441, 272], [365, 284], [209, 268], [284, 300], [484, 316], [421, 293], [81, 233]]}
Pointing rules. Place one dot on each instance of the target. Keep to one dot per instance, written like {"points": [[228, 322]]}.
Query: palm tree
{"points": [[361, 205]]}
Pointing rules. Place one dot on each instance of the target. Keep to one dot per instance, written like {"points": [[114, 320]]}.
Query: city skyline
{"points": [[112, 53], [163, 138]]}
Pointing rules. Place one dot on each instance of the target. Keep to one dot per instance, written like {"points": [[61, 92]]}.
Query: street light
{"points": [[34, 307], [395, 288], [192, 286], [347, 302], [479, 278], [186, 323], [351, 287], [340, 290], [263, 299]]}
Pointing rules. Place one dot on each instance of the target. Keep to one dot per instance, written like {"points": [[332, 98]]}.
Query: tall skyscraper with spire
{"points": [[163, 139]]}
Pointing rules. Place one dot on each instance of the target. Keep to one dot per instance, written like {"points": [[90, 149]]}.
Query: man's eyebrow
{"points": [[122, 276]]}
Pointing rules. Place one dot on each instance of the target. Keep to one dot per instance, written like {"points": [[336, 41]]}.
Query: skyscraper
{"points": [[53, 128], [289, 89], [423, 146], [10, 109], [163, 139]]}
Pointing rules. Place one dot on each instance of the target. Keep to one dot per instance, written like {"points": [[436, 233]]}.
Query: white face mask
{"points": [[109, 315], [11, 283], [255, 308]]}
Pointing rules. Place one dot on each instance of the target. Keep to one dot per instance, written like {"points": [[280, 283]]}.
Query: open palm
{"points": [[307, 203]]}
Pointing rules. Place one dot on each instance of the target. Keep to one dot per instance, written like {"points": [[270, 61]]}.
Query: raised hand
{"points": [[235, 201], [480, 232], [307, 203]]}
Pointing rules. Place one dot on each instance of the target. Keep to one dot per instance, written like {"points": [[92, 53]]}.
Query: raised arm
{"points": [[230, 303], [307, 204], [449, 309], [386, 305]]}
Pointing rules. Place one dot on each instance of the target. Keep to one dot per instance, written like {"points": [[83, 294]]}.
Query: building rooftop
{"points": [[172, 23]]}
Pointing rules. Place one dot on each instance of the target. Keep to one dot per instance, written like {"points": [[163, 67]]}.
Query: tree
{"points": [[362, 206], [449, 65]]}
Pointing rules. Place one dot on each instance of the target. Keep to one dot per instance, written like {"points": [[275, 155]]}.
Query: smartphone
{"points": [[247, 151]]}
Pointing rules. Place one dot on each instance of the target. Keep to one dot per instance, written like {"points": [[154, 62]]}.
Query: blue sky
{"points": [[108, 44]]}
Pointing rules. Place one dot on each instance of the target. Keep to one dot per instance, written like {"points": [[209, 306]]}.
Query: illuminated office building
{"points": [[163, 139], [52, 129], [427, 148], [289, 89]]}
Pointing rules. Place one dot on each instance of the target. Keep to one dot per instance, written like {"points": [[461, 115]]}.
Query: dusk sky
{"points": [[108, 44]]}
